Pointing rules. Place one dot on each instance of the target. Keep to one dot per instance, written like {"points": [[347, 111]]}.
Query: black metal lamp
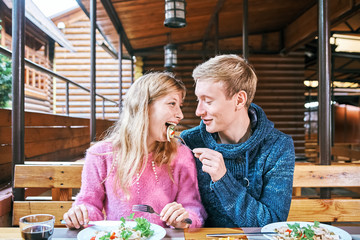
{"points": [[170, 53], [175, 13]]}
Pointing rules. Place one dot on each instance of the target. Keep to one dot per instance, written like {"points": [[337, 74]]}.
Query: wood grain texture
{"points": [[48, 176], [325, 210], [326, 176], [56, 208]]}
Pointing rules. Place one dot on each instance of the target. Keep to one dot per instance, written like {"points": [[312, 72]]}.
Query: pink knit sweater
{"points": [[97, 196]]}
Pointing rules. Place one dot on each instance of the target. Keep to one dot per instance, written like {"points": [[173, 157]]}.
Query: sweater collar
{"points": [[260, 125]]}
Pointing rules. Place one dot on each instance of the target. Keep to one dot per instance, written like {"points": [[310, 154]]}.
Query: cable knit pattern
{"points": [[97, 196], [233, 201]]}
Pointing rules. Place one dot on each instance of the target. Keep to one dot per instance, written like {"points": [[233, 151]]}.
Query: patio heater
{"points": [[175, 13], [170, 53]]}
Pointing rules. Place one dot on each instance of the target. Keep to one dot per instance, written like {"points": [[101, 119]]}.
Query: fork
{"points": [[181, 140], [149, 209]]}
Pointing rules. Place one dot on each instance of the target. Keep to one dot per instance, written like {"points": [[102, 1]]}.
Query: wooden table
{"points": [[171, 234]]}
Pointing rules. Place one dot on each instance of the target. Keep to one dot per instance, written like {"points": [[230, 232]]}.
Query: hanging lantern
{"points": [[175, 13], [170, 53]]}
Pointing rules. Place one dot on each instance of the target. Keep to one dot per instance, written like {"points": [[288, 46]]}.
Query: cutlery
{"points": [[238, 234], [98, 223], [149, 209]]}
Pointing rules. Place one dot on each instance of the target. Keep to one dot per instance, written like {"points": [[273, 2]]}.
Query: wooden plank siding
{"points": [[47, 138], [280, 90], [76, 66], [38, 86]]}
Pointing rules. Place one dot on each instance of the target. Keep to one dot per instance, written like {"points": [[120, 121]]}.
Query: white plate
{"points": [[271, 228], [87, 233]]}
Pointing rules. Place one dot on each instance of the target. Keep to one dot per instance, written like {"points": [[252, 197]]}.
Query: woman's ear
{"points": [[241, 98]]}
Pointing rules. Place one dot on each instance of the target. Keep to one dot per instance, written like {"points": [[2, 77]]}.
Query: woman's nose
{"points": [[179, 115]]}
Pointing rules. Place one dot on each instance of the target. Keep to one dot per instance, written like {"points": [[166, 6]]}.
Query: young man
{"points": [[245, 166]]}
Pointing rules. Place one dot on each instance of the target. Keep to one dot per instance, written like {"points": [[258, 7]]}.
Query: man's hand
{"points": [[213, 162]]}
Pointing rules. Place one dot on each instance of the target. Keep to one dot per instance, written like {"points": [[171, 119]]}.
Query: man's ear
{"points": [[241, 98]]}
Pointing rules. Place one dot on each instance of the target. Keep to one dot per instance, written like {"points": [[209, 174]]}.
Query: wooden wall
{"points": [[76, 66], [47, 138], [280, 90], [347, 124]]}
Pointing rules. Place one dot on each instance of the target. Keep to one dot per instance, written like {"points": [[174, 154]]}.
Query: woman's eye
{"points": [[173, 103]]}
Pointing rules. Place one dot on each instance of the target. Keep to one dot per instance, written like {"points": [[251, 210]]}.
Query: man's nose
{"points": [[199, 110]]}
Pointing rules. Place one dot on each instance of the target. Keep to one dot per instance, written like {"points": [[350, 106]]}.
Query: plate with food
{"points": [[304, 231], [139, 229]]}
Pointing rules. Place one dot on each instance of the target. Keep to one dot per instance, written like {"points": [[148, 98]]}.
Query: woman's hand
{"points": [[173, 214], [76, 217]]}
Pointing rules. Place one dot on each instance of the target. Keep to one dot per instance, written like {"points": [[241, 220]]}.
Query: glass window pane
{"points": [[180, 5], [169, 14], [180, 14], [169, 5]]}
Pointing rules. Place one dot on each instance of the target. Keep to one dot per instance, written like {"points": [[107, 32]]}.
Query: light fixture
{"points": [[175, 13], [61, 25], [170, 53]]}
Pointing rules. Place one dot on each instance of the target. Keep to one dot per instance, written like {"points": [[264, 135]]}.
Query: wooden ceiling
{"points": [[282, 25]]}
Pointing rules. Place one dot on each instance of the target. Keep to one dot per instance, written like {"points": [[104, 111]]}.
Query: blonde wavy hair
{"points": [[129, 135], [231, 70]]}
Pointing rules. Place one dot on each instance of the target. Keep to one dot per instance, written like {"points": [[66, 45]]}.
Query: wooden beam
{"points": [[212, 20], [304, 28], [109, 8]]}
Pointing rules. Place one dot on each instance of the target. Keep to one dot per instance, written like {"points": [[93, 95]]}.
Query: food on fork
{"points": [[170, 131], [309, 232]]}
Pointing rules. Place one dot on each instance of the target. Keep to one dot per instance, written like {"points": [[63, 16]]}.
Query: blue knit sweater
{"points": [[257, 187]]}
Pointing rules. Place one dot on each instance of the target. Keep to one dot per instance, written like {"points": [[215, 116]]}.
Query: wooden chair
{"points": [[339, 209], [61, 179]]}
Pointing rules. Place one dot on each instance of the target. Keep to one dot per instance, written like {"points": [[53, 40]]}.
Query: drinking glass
{"points": [[37, 226]]}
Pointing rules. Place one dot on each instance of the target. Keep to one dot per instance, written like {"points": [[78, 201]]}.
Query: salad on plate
{"points": [[140, 231], [304, 231], [309, 232]]}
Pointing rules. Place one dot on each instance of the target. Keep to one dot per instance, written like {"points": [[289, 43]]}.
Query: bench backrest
{"points": [[60, 179], [339, 209]]}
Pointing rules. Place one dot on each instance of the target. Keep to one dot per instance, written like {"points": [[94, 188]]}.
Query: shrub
{"points": [[5, 79]]}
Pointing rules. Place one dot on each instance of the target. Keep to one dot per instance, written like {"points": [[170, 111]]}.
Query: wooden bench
{"points": [[339, 209], [60, 179]]}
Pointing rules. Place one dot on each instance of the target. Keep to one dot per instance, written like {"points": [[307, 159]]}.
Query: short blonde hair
{"points": [[129, 135], [232, 71]]}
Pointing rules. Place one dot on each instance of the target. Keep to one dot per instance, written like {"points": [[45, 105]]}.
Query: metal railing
{"points": [[40, 68]]}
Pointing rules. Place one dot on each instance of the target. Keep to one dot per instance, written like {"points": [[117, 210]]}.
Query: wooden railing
{"points": [[47, 138]]}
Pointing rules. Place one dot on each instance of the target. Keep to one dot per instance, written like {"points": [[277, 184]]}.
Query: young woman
{"points": [[136, 164]]}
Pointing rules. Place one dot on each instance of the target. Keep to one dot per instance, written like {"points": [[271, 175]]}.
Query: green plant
{"points": [[5, 79]]}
